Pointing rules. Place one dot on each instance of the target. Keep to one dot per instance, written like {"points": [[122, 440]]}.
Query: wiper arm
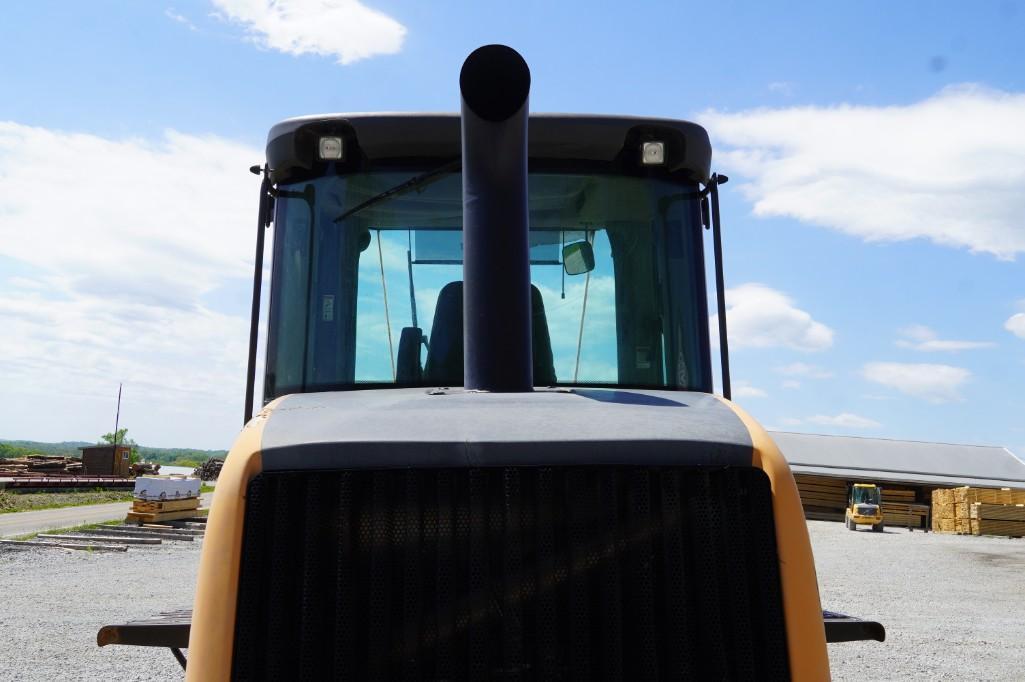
{"points": [[414, 182]]}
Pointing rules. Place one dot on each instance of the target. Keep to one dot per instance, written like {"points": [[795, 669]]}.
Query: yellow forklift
{"points": [[527, 478], [864, 507]]}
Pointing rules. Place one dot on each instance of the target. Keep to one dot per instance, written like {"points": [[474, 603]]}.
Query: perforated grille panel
{"points": [[562, 573]]}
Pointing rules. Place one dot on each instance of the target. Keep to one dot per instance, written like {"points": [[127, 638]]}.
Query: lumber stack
{"points": [[900, 508], [144, 511], [164, 498], [979, 511], [40, 465], [823, 498]]}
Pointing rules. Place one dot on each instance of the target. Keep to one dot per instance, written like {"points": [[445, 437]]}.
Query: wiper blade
{"points": [[414, 182]]}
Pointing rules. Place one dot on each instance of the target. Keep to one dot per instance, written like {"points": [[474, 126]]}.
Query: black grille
{"points": [[561, 573]]}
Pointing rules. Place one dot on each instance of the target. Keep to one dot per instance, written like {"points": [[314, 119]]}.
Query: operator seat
{"points": [[444, 366]]}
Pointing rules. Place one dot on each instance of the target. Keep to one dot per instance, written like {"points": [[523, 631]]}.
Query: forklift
{"points": [[864, 507], [521, 471]]}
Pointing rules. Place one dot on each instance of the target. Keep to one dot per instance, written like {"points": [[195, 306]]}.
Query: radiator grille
{"points": [[561, 573]]}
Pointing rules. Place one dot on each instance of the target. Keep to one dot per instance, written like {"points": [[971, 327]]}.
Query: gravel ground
{"points": [[952, 606], [54, 601]]}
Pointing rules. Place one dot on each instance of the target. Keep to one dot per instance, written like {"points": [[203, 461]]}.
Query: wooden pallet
{"points": [[154, 507], [164, 516]]}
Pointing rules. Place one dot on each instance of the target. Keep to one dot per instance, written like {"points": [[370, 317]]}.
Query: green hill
{"points": [[169, 456]]}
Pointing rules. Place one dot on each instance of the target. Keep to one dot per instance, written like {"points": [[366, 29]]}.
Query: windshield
{"points": [[366, 282], [866, 495]]}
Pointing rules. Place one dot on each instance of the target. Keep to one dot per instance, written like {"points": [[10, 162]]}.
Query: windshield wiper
{"points": [[413, 183]]}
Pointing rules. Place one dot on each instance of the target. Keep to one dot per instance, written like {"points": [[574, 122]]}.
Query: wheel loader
{"points": [[864, 507], [489, 447]]}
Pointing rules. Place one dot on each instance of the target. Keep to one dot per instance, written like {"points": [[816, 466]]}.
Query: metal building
{"points": [[906, 470]]}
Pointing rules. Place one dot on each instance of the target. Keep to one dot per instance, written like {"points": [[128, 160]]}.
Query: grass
{"points": [[11, 502], [70, 529], [206, 488]]}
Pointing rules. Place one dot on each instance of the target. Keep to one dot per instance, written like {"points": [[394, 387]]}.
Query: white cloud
{"points": [[761, 317], [742, 389], [345, 29], [136, 259], [935, 383], [949, 168], [802, 369], [171, 14], [1016, 325], [922, 338], [845, 420], [791, 384]]}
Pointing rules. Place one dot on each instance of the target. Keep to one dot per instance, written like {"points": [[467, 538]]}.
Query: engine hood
{"points": [[413, 427]]}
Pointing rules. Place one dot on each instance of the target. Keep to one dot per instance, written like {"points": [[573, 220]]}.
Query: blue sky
{"points": [[874, 231]]}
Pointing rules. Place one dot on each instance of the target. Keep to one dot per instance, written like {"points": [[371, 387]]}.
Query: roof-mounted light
{"points": [[653, 153], [330, 148]]}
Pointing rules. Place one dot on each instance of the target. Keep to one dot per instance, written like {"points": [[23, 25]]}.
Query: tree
{"points": [[122, 439]]}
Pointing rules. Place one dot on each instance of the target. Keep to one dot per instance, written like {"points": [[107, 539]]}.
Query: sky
{"points": [[873, 222]]}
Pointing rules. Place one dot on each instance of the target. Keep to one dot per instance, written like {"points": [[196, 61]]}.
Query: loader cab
{"points": [[366, 286], [864, 507]]}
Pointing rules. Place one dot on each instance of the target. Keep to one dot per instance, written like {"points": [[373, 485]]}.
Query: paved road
{"points": [[20, 523]]}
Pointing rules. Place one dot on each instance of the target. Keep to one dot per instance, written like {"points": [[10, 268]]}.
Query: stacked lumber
{"points": [[908, 515], [997, 519], [900, 508], [145, 511], [979, 511], [823, 498], [36, 465], [165, 498]]}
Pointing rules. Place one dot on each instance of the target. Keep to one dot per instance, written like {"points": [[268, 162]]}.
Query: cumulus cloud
{"points": [[1016, 325], [844, 420], [345, 29], [935, 383], [948, 169], [922, 338], [133, 262], [759, 316]]}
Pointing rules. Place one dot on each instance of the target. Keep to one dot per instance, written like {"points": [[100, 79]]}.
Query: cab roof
{"points": [[372, 138]]}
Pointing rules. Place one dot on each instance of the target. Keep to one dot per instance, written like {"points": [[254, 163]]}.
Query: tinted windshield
{"points": [[866, 496], [369, 292]]}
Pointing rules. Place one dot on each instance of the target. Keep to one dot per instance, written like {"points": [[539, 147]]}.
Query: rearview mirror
{"points": [[578, 258]]}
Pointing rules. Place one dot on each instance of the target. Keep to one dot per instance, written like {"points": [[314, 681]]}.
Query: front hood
{"points": [[416, 427]]}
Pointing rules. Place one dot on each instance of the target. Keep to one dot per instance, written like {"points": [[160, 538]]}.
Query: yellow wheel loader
{"points": [[489, 447], [864, 507]]}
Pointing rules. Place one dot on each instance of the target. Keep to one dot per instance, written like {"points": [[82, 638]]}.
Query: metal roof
{"points": [[390, 135], [880, 459]]}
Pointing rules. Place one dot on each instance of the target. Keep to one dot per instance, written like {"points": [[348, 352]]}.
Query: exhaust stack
{"points": [[497, 335]]}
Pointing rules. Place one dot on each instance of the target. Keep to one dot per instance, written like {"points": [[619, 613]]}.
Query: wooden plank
{"points": [[112, 539], [66, 545], [1014, 529], [997, 512], [164, 516], [151, 507], [141, 533]]}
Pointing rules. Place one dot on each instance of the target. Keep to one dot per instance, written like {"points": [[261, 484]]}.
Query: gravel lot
{"points": [[56, 600], [952, 606]]}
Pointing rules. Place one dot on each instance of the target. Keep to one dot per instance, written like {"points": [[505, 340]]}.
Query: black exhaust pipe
{"points": [[497, 335]]}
